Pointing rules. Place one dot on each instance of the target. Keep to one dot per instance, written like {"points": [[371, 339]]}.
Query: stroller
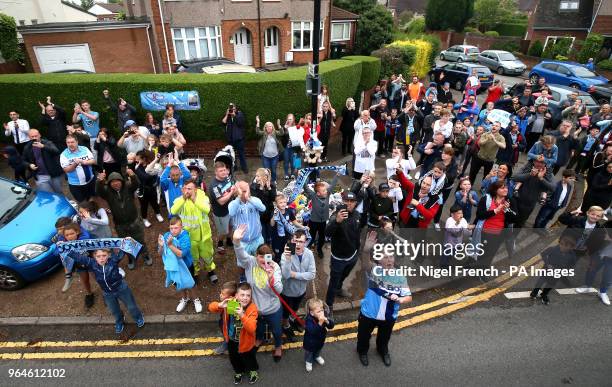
{"points": [[228, 157], [197, 169]]}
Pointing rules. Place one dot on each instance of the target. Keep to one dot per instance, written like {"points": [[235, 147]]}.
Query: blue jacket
{"points": [[107, 276], [172, 190], [471, 111], [315, 334], [550, 156], [183, 243]]}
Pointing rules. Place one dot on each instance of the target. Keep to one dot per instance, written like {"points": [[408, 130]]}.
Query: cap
{"points": [[347, 195], [128, 123], [383, 187]]}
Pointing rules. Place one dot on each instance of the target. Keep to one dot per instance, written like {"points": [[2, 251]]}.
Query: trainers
{"points": [[89, 300], [534, 293], [545, 299], [148, 260], [582, 290], [253, 377], [198, 305], [147, 223], [67, 284], [221, 349], [237, 378], [159, 218], [131, 263], [119, 328], [220, 248], [286, 178], [604, 298], [212, 276], [308, 367], [320, 360], [437, 226], [140, 323], [182, 304]]}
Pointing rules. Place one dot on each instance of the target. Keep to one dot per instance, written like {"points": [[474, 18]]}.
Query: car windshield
{"points": [[587, 100], [472, 51], [483, 71], [506, 56], [12, 196], [583, 72]]}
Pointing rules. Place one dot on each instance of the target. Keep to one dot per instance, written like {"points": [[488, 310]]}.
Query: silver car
{"points": [[460, 53], [502, 62]]}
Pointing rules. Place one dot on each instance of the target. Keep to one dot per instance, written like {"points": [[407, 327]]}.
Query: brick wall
{"points": [[159, 38], [12, 67], [123, 50], [603, 24], [542, 34], [485, 42]]}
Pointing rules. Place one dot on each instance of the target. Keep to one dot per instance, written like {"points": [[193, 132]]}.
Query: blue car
{"points": [[570, 74], [27, 224]]}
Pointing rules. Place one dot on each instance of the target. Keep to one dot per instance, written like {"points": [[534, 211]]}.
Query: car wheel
{"points": [[500, 70], [459, 86], [459, 60], [442, 57], [575, 86], [533, 79], [10, 280]]}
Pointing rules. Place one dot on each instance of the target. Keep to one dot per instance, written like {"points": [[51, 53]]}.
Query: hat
{"points": [[115, 176], [128, 123], [383, 187], [432, 84], [446, 83], [348, 195]]}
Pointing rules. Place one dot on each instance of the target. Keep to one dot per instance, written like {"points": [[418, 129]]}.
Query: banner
{"points": [[305, 172], [503, 117], [127, 245], [182, 100]]}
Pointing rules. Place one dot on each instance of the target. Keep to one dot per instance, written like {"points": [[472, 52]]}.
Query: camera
{"points": [[291, 246], [341, 207]]}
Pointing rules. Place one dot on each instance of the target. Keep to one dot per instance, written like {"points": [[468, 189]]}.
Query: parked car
{"points": [[560, 93], [212, 66], [570, 74], [503, 62], [27, 224], [457, 74], [71, 71], [601, 93], [460, 53]]}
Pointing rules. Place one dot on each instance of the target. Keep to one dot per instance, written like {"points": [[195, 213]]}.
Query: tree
{"points": [[86, 4], [488, 13], [356, 6], [590, 48], [444, 14], [373, 30], [9, 45]]}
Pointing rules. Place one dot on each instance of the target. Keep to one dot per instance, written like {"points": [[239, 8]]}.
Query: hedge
{"points": [[421, 65], [511, 29], [370, 70], [395, 60], [270, 94], [605, 64]]}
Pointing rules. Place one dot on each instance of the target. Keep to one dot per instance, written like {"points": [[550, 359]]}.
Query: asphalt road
{"points": [[500, 342]]}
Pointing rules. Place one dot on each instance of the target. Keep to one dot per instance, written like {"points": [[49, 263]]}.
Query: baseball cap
{"points": [[128, 123], [383, 187], [347, 195]]}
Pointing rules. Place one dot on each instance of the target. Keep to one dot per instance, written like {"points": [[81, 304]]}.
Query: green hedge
{"points": [[395, 60], [270, 94], [605, 64], [511, 29]]}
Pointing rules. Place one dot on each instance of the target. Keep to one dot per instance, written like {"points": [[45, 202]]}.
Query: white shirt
{"points": [[296, 136], [452, 225], [563, 194], [446, 130], [407, 166], [396, 195], [359, 125], [365, 155], [22, 132]]}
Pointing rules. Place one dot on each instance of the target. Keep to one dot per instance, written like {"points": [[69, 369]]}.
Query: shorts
{"points": [[221, 224]]}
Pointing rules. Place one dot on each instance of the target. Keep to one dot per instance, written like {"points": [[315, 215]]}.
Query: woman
{"points": [[472, 148], [496, 210], [94, 220], [326, 117], [147, 192], [599, 162], [503, 173], [599, 192], [365, 153], [294, 145], [269, 146], [152, 125], [110, 157], [264, 276], [263, 188], [347, 127], [448, 158]]}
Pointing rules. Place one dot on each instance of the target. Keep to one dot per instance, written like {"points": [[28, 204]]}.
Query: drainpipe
{"points": [[163, 27], [151, 50], [259, 37]]}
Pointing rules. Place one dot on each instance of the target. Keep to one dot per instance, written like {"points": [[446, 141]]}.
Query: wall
{"points": [[542, 34], [603, 24], [44, 11], [485, 42], [113, 51]]}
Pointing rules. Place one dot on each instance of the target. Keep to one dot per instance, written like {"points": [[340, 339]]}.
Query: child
{"points": [[16, 162], [319, 214], [166, 145], [283, 224], [455, 229], [466, 198], [131, 161], [380, 207], [152, 144], [228, 290], [391, 125], [561, 256], [94, 219], [175, 248], [396, 195], [317, 324], [239, 326]]}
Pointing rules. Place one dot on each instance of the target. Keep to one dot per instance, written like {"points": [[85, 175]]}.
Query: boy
{"points": [[396, 195], [110, 278], [317, 324], [283, 224], [239, 325], [221, 190], [559, 199], [391, 125], [319, 213], [381, 206]]}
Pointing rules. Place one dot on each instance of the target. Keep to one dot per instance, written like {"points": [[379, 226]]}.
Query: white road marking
{"points": [[462, 299], [573, 291], [513, 295]]}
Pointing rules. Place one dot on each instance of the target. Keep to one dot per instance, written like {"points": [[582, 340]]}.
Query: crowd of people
{"points": [[432, 149]]}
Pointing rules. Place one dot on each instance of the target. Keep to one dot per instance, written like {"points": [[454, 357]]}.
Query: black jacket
{"points": [[565, 146], [121, 203], [109, 145], [595, 239], [553, 201], [123, 116], [417, 121], [50, 155], [267, 197], [348, 120], [380, 207], [56, 127], [344, 236], [326, 123]]}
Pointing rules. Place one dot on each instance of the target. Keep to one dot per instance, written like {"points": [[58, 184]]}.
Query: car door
{"points": [[549, 71], [564, 75], [454, 53]]}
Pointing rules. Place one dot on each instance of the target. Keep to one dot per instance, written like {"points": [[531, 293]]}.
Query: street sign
{"points": [[313, 85]]}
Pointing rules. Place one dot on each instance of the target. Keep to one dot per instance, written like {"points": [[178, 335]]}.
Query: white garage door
{"points": [[65, 57]]}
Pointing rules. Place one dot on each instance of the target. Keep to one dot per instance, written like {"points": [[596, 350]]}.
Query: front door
{"points": [[243, 49], [271, 45]]}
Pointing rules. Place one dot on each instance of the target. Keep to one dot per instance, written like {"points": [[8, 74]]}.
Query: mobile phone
{"points": [[341, 207], [232, 305], [268, 258], [291, 246]]}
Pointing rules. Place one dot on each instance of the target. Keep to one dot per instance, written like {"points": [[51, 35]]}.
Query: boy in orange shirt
{"points": [[239, 325]]}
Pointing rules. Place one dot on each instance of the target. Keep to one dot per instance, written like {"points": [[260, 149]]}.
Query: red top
{"points": [[494, 224], [426, 213], [494, 95], [307, 132]]}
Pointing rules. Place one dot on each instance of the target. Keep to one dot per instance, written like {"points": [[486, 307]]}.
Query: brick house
{"points": [[253, 32], [106, 11]]}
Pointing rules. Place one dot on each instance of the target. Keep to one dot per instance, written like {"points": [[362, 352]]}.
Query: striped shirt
{"points": [[82, 174]]}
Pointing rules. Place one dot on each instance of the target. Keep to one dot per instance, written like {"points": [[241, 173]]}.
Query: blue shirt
{"points": [[91, 126], [183, 243], [247, 213], [82, 174], [376, 303]]}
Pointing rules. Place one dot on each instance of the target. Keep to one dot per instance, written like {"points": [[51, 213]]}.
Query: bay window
{"points": [[197, 42]]}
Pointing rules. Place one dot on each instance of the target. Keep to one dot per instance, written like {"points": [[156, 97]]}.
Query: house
{"points": [[28, 12], [106, 11], [260, 33], [343, 27], [398, 6]]}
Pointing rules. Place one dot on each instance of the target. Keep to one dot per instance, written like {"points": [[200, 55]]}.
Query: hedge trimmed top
{"points": [[272, 95]]}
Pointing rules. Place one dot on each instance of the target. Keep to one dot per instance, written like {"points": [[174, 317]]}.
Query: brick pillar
{"points": [[159, 36]]}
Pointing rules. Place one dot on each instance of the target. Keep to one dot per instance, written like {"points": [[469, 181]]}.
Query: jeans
{"points": [[123, 294], [293, 303], [478, 163], [595, 265], [270, 163], [317, 233], [238, 146], [364, 332], [288, 160], [544, 216], [338, 273], [309, 357], [50, 184], [273, 321]]}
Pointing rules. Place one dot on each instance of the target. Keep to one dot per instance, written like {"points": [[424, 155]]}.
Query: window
{"points": [[197, 42], [553, 40], [340, 31], [569, 5], [301, 37], [550, 66], [34, 21], [563, 70], [22, 22]]}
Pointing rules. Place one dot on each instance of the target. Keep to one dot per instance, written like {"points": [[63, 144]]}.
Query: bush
{"points": [[605, 64], [590, 48], [423, 49], [506, 45], [269, 94], [392, 60], [9, 45], [370, 71], [493, 34], [511, 29], [436, 47], [560, 47], [535, 49], [473, 30], [416, 26]]}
